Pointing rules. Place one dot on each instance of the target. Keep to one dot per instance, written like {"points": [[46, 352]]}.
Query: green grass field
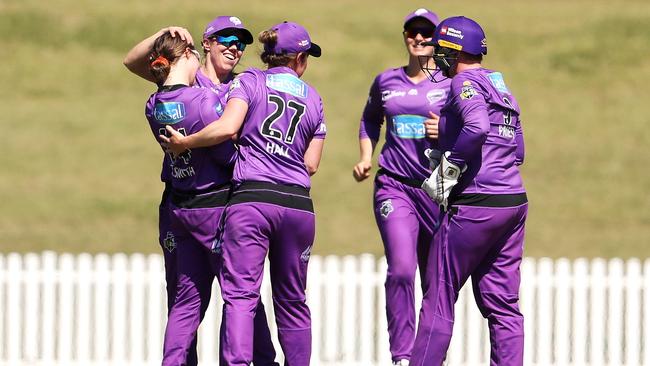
{"points": [[80, 167]]}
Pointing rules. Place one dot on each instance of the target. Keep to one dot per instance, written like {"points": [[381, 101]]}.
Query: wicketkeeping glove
{"points": [[444, 177], [434, 157]]}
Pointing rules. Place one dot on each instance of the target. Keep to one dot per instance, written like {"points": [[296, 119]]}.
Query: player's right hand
{"points": [[361, 171], [174, 143]]}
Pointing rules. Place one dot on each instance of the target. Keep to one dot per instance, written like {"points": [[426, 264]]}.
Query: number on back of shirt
{"points": [[297, 110]]}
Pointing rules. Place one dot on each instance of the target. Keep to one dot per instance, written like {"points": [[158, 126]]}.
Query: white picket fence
{"points": [[63, 309]]}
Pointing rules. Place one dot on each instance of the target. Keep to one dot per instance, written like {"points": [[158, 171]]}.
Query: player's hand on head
{"points": [[431, 126], [361, 170], [180, 32], [174, 143]]}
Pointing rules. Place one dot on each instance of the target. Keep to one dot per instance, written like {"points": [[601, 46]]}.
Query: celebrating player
{"points": [[479, 187], [405, 215], [224, 41], [279, 119]]}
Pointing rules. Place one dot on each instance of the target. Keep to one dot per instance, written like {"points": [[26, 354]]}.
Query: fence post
{"points": [[580, 310], [527, 292], [614, 337], [156, 307], [48, 278], [563, 282], [333, 301], [383, 348], [118, 307], [136, 307], [32, 302], [545, 311], [14, 307], [646, 312], [102, 309], [597, 320], [314, 286], [85, 277], [349, 310], [367, 292], [633, 312]]}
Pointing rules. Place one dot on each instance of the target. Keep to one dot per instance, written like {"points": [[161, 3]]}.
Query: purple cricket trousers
{"points": [[276, 219], [406, 218], [487, 244], [194, 230]]}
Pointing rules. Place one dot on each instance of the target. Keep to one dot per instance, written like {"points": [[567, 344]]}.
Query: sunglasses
{"points": [[425, 32], [230, 41]]}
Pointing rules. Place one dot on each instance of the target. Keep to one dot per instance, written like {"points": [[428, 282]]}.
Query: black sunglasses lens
{"points": [[425, 32]]}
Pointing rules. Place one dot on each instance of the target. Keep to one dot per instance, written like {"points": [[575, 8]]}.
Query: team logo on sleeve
{"points": [[468, 91], [235, 84], [386, 208], [169, 242]]}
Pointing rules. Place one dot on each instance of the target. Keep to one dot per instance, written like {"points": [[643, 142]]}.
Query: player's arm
{"points": [[369, 130], [361, 170], [520, 151], [215, 133], [137, 59], [313, 155], [476, 123]]}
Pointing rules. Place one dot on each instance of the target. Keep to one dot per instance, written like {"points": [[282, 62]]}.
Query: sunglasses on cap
{"points": [[425, 32], [230, 41]]}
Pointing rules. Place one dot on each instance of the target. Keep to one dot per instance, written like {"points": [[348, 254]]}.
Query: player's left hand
{"points": [[431, 126], [174, 143], [439, 185]]}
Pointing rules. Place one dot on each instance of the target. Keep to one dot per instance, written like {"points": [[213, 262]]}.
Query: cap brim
{"points": [[243, 34], [314, 50]]}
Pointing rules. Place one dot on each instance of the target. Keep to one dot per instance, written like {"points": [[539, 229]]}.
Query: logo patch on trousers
{"points": [[217, 246], [304, 256], [169, 242], [386, 208]]}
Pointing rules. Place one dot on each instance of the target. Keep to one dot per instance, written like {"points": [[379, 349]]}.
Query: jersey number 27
{"points": [[267, 126]]}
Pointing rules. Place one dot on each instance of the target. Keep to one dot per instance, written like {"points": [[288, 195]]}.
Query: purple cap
{"points": [[293, 38], [228, 24], [462, 34], [424, 14]]}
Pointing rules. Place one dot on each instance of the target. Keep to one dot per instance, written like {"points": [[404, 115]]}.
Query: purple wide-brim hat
{"points": [[227, 23], [293, 38], [460, 33], [423, 13]]}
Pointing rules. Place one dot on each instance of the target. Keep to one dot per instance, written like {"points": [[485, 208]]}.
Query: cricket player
{"points": [[405, 215], [479, 188], [222, 55], [281, 129]]}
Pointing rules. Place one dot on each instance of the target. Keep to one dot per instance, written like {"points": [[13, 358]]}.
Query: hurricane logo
{"points": [[421, 11], [169, 242], [386, 208], [235, 20], [304, 256]]}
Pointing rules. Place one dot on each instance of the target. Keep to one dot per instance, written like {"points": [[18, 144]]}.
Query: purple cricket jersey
{"points": [[284, 114], [480, 126], [188, 110], [405, 105]]}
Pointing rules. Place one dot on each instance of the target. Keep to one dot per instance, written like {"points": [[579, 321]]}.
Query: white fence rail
{"points": [[63, 309]]}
